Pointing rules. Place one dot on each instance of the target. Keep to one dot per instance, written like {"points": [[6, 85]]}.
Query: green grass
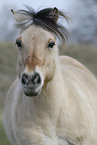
{"points": [[87, 54]]}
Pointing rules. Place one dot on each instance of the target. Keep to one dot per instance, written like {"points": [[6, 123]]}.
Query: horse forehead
{"points": [[37, 33]]}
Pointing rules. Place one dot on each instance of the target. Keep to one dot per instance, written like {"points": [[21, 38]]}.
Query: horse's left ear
{"points": [[55, 14], [18, 17]]}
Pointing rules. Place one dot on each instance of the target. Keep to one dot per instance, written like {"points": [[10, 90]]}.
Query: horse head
{"points": [[37, 47]]}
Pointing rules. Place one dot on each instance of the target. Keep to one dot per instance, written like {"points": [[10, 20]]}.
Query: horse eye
{"points": [[51, 45], [18, 43]]}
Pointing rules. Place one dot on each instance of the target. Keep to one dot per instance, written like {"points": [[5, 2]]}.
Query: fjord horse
{"points": [[53, 101]]}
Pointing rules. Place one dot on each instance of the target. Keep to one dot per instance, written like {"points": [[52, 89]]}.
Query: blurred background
{"points": [[82, 44]]}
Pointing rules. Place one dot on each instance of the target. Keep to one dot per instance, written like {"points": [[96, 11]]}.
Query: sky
{"points": [[36, 4]]}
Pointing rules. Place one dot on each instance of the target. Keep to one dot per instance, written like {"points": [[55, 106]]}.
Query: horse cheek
{"points": [[50, 71], [20, 66]]}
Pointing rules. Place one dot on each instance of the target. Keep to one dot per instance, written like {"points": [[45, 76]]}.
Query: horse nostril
{"points": [[36, 79], [31, 80], [24, 79]]}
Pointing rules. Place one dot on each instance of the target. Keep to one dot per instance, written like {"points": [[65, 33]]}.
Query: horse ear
{"points": [[55, 14], [18, 17]]}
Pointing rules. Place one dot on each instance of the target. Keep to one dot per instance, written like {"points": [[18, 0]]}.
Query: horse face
{"points": [[36, 59]]}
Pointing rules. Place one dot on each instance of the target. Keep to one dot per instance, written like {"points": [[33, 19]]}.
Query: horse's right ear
{"points": [[18, 17]]}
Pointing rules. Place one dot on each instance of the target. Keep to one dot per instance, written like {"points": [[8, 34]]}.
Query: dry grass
{"points": [[8, 55], [87, 54]]}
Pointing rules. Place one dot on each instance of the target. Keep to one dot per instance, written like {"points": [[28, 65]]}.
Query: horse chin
{"points": [[31, 93]]}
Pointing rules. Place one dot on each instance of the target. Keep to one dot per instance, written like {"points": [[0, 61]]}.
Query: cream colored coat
{"points": [[65, 112]]}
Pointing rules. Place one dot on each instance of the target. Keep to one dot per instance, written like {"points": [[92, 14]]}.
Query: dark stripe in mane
{"points": [[46, 18]]}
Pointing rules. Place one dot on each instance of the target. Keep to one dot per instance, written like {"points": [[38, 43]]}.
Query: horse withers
{"points": [[53, 101]]}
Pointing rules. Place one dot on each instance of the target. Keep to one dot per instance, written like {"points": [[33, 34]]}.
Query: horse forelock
{"points": [[47, 19]]}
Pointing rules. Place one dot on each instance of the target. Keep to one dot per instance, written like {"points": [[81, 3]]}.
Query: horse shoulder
{"points": [[81, 98], [79, 80], [8, 112]]}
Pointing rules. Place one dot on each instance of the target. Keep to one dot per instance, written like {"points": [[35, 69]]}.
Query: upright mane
{"points": [[47, 19]]}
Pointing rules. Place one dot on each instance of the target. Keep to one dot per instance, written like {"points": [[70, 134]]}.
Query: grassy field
{"points": [[8, 55], [87, 54]]}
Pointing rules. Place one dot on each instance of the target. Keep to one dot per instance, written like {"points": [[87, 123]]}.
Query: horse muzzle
{"points": [[32, 84]]}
